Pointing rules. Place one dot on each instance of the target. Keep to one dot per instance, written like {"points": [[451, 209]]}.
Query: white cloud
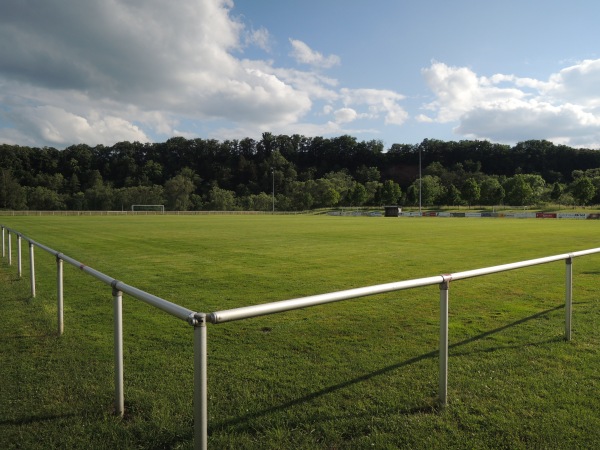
{"points": [[315, 85], [155, 59], [345, 115], [261, 38], [423, 118], [505, 108], [302, 53], [327, 109], [59, 127], [578, 84], [458, 90], [102, 71], [379, 102]]}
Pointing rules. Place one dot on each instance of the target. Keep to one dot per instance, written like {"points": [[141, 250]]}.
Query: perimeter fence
{"points": [[366, 212], [199, 320], [28, 213]]}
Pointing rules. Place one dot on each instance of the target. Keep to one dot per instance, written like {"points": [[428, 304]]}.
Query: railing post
{"points": [[3, 247], [32, 269], [9, 249], [568, 297], [200, 384], [444, 287], [59, 295], [118, 326], [19, 264]]}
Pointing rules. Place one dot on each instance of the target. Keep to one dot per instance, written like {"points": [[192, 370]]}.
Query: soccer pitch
{"points": [[356, 374]]}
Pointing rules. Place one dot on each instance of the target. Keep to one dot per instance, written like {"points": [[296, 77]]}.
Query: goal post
{"points": [[148, 208]]}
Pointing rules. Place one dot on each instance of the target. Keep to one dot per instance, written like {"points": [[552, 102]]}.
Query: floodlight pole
{"points": [[420, 181]]}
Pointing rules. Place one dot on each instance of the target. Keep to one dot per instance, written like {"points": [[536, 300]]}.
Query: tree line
{"points": [[295, 173]]}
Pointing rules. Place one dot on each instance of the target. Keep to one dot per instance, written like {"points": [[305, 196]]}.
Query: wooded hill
{"points": [[302, 172]]}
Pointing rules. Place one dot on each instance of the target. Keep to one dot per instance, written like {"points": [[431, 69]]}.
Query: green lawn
{"points": [[356, 374]]}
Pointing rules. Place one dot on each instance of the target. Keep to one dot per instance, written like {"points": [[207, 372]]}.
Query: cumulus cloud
{"points": [[506, 108], [302, 53], [261, 38], [578, 84], [344, 115], [109, 58], [379, 102], [102, 71], [459, 89], [55, 125]]}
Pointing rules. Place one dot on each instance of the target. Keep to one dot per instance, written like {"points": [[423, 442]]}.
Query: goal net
{"points": [[148, 208]]}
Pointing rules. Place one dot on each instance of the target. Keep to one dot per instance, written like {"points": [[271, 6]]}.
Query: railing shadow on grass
{"points": [[431, 407], [37, 419]]}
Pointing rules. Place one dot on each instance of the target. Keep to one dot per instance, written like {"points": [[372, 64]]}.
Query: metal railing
{"points": [[199, 320], [118, 288]]}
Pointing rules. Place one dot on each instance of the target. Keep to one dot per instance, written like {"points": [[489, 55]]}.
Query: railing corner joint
{"points": [[446, 279], [197, 319]]}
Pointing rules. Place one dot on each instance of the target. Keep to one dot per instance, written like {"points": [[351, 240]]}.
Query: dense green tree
{"points": [[373, 189], [76, 202], [556, 192], [453, 196], [95, 177], [177, 193], [301, 195], [73, 185], [583, 190], [41, 198], [358, 195], [151, 173], [538, 186], [99, 196], [365, 174], [437, 170], [54, 182], [566, 199], [492, 192], [261, 202], [221, 199], [12, 195], [78, 160], [390, 193], [518, 191], [471, 191], [325, 193], [343, 184], [432, 190], [124, 198]]}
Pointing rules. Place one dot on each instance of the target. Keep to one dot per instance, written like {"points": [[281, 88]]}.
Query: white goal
{"points": [[148, 208]]}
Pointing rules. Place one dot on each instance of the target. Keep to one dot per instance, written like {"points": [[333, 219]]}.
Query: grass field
{"points": [[351, 375]]}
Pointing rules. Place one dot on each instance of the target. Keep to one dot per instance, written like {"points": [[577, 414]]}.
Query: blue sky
{"points": [[100, 71]]}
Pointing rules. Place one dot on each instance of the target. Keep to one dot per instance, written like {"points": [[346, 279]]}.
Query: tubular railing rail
{"points": [[198, 320]]}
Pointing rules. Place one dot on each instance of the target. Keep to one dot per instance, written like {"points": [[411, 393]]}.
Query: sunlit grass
{"points": [[355, 374]]}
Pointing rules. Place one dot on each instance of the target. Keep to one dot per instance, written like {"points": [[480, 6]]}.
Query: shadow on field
{"points": [[37, 335], [36, 419], [425, 408]]}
